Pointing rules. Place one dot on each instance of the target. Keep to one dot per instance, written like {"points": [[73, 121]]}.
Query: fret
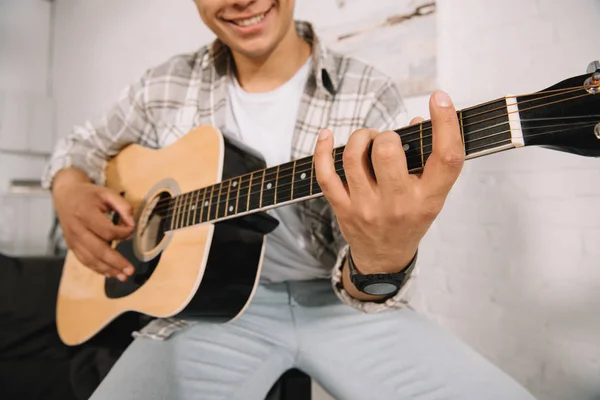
{"points": [[237, 185], [293, 173], [200, 205], [262, 185], [189, 221], [229, 206], [276, 185], [206, 204], [180, 214], [486, 127], [412, 138], [195, 205], [173, 213], [249, 191], [178, 211], [255, 193], [213, 203], [460, 123], [338, 163], [181, 211], [427, 144], [221, 201], [421, 142], [285, 182], [188, 211], [312, 172], [268, 187], [302, 176], [244, 193]]}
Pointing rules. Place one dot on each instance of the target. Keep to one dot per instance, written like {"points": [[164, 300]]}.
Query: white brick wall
{"points": [[511, 265], [26, 122]]}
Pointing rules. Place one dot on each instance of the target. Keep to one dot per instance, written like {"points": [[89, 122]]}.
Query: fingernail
{"points": [[128, 270], [122, 277], [442, 99], [324, 134]]}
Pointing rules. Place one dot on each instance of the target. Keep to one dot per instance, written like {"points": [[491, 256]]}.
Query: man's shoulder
{"points": [[356, 75]]}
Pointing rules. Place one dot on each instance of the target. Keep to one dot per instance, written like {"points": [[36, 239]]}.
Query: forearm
{"points": [[68, 176]]}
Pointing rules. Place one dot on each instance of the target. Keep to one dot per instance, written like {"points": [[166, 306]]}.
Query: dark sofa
{"points": [[36, 365]]}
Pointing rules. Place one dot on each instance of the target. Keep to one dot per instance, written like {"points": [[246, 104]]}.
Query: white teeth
{"points": [[250, 21]]}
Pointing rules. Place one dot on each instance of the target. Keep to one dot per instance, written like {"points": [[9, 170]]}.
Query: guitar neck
{"points": [[485, 129]]}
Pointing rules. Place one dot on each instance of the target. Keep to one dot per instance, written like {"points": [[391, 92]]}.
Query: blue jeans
{"points": [[395, 354]]}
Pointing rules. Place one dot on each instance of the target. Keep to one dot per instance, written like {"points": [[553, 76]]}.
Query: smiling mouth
{"points": [[249, 21]]}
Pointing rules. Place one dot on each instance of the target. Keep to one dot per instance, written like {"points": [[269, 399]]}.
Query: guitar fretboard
{"points": [[484, 129]]}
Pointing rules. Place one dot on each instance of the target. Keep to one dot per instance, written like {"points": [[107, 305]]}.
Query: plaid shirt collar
{"points": [[325, 65]]}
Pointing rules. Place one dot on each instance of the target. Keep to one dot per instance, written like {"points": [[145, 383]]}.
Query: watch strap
{"points": [[380, 283]]}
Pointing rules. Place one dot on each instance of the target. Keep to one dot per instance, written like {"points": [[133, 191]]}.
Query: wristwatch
{"points": [[380, 284]]}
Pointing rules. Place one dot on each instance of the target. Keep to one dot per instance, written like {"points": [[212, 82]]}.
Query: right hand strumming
{"points": [[82, 209]]}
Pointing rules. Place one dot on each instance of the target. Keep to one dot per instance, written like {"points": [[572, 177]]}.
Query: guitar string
{"points": [[282, 188], [568, 90], [304, 185], [217, 218], [299, 169], [418, 131], [167, 202], [529, 128], [491, 118], [563, 90]]}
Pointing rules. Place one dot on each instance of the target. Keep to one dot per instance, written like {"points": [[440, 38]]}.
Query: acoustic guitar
{"points": [[200, 205]]}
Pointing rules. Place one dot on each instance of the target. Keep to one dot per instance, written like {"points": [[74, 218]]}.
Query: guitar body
{"points": [[207, 271]]}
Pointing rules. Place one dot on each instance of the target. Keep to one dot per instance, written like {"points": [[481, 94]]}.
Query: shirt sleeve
{"points": [[89, 146], [387, 112]]}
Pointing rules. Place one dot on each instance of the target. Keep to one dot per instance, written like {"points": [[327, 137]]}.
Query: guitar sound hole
{"points": [[151, 228]]}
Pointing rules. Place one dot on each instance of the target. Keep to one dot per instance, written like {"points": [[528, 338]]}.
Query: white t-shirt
{"points": [[265, 122]]}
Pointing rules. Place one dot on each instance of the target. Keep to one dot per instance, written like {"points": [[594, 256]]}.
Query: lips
{"points": [[248, 21]]}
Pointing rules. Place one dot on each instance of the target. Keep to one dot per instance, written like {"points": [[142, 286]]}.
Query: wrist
{"points": [[380, 265], [378, 283], [67, 177]]}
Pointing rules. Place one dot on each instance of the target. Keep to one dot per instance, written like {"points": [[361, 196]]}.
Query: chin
{"points": [[255, 31], [254, 50]]}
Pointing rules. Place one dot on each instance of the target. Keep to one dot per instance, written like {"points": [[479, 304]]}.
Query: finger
{"points": [[389, 163], [119, 204], [446, 160], [416, 120], [87, 258], [325, 170], [102, 251], [357, 166], [105, 229]]}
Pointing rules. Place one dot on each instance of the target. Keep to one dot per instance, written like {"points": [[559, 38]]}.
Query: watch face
{"points": [[380, 288]]}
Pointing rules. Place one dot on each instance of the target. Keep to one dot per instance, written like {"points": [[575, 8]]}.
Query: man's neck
{"points": [[279, 66]]}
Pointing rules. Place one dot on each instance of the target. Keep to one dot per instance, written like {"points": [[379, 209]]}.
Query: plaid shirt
{"points": [[188, 90]]}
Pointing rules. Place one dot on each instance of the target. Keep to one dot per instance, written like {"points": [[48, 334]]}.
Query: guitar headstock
{"points": [[566, 116]]}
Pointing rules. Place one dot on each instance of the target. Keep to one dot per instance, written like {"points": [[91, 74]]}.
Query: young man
{"points": [[268, 82]]}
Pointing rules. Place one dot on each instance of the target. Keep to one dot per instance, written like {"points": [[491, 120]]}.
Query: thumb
{"points": [[119, 204]]}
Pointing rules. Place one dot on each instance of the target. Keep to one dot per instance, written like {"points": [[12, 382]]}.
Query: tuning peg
{"points": [[593, 67]]}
